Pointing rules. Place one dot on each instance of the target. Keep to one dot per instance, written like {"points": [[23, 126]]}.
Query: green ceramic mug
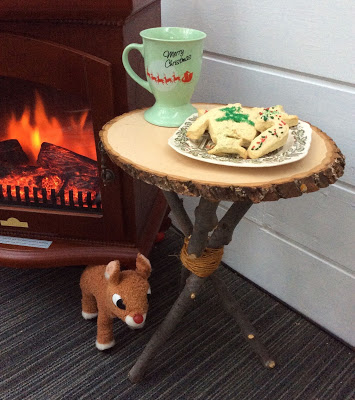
{"points": [[172, 60]]}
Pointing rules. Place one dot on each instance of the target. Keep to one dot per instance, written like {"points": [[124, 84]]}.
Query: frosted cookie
{"points": [[267, 117], [231, 127], [200, 112], [269, 140]]}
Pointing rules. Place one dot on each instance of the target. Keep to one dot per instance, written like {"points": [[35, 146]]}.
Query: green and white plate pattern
{"points": [[296, 147]]}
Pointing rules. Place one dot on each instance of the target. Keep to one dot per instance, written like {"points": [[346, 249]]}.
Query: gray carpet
{"points": [[48, 352]]}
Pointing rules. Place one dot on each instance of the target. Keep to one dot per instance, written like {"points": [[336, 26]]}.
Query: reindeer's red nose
{"points": [[138, 318]]}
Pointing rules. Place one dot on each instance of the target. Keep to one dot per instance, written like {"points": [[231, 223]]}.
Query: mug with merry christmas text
{"points": [[172, 60]]}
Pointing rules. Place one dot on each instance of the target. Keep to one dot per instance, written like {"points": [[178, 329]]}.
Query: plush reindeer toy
{"points": [[108, 292]]}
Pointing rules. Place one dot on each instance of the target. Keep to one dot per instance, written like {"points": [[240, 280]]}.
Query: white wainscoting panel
{"points": [[299, 54], [302, 279], [312, 37], [313, 221]]}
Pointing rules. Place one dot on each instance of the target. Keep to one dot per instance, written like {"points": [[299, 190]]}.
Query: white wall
{"points": [[299, 54]]}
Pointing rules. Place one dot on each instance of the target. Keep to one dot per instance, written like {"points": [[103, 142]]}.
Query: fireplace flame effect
{"points": [[49, 130], [65, 144]]}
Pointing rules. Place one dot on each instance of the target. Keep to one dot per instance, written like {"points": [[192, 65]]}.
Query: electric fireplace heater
{"points": [[48, 158], [62, 201]]}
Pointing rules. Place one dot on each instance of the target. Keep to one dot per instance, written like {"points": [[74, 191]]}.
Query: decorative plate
{"points": [[296, 147]]}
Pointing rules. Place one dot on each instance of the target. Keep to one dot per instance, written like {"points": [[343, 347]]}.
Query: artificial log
{"points": [[3, 171], [29, 176], [37, 177], [76, 171], [56, 158], [84, 183], [58, 169], [12, 154], [41, 178]]}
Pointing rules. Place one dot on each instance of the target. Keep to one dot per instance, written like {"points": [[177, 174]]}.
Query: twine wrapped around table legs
{"points": [[204, 265]]}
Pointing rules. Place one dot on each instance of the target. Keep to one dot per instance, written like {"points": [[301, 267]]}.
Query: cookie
{"points": [[248, 132], [269, 140], [231, 127], [267, 117]]}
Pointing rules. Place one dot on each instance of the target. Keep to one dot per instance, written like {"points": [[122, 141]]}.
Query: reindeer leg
{"points": [[88, 305], [105, 339]]}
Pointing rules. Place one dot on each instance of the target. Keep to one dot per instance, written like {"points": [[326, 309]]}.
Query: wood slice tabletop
{"points": [[141, 149]]}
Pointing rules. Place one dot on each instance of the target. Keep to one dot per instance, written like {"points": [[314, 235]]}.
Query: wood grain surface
{"points": [[142, 150]]}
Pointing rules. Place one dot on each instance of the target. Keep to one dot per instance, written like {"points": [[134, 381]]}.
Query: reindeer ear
{"points": [[143, 266], [113, 270]]}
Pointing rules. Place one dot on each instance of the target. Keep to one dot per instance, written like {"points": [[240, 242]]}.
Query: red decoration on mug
{"points": [[187, 77]]}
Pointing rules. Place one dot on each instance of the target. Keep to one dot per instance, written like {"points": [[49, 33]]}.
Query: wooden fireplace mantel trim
{"points": [[83, 10], [63, 252]]}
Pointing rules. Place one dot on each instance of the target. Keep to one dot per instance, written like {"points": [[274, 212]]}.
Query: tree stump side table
{"points": [[142, 150]]}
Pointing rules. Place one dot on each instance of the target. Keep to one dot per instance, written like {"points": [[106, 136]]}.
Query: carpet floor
{"points": [[48, 350]]}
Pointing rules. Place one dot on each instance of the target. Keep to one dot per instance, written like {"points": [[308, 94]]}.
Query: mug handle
{"points": [[128, 68]]}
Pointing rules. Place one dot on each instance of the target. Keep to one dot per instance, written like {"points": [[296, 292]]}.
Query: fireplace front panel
{"points": [[47, 149], [50, 163], [73, 52]]}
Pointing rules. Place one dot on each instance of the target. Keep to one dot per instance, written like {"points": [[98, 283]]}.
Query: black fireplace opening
{"points": [[48, 154]]}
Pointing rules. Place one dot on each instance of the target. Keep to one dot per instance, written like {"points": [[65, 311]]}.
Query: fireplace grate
{"points": [[43, 198]]}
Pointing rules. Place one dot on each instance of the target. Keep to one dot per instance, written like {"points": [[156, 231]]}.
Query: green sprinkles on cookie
{"points": [[268, 113], [235, 114]]}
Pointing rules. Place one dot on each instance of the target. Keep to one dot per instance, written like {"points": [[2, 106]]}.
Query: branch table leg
{"points": [[223, 233], [177, 207], [184, 274], [233, 308], [184, 223], [221, 236], [192, 287], [205, 221]]}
